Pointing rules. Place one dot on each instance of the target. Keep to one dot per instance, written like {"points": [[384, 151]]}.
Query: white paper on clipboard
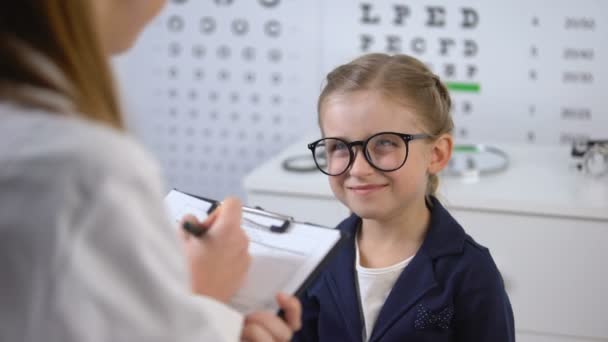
{"points": [[281, 261]]}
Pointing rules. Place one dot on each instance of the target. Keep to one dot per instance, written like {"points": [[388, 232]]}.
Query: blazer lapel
{"points": [[416, 280], [444, 237], [341, 282]]}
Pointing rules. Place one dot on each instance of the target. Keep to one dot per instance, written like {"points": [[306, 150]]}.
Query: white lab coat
{"points": [[87, 252]]}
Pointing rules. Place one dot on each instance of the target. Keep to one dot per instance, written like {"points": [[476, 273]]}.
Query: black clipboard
{"points": [[281, 228]]}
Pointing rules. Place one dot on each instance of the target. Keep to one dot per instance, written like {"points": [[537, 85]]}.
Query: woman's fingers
{"points": [[293, 310], [255, 333], [229, 213], [272, 323], [219, 260]]}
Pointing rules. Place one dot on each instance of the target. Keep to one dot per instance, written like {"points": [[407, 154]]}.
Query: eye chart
{"points": [[215, 88], [521, 71]]}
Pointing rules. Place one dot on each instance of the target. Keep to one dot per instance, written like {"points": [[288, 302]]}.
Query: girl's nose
{"points": [[360, 165]]}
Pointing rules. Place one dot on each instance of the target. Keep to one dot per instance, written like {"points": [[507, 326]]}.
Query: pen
{"points": [[196, 230]]}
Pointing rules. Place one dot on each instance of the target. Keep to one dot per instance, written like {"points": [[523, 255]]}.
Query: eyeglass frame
{"points": [[363, 143]]}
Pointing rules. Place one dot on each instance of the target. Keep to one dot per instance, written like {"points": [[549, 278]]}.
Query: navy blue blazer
{"points": [[450, 291]]}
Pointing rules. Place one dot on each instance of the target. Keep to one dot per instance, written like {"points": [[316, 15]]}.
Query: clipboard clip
{"points": [[279, 225], [264, 220]]}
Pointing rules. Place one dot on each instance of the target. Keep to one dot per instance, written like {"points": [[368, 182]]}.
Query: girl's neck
{"points": [[386, 242]]}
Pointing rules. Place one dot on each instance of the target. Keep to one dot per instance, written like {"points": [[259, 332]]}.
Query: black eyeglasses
{"points": [[385, 151]]}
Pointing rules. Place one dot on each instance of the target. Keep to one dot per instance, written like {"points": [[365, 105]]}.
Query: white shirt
{"points": [[375, 284], [87, 252]]}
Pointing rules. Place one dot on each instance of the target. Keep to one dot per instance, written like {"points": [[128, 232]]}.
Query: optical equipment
{"points": [[475, 160], [591, 156]]}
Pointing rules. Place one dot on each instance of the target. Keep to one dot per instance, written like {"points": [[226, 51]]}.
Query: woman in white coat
{"points": [[86, 249]]}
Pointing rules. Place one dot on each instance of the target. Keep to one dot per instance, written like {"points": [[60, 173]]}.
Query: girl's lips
{"points": [[366, 189]]}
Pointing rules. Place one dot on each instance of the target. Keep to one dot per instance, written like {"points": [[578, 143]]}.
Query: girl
{"points": [[87, 252], [410, 272]]}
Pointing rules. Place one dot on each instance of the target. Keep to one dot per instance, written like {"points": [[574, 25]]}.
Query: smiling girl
{"points": [[410, 272]]}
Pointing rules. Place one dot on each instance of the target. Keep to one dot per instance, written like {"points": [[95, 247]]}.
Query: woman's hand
{"points": [[265, 326], [220, 258]]}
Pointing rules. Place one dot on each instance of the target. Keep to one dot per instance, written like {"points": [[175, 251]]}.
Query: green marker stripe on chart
{"points": [[466, 148], [463, 87]]}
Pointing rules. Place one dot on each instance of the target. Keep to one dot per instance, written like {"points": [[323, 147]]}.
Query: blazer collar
{"points": [[444, 237]]}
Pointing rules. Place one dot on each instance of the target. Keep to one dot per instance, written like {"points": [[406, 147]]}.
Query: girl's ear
{"points": [[441, 153]]}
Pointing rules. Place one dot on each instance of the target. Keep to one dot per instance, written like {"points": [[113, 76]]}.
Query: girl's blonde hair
{"points": [[402, 79], [64, 33]]}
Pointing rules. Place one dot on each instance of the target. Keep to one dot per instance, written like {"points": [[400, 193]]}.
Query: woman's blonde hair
{"points": [[64, 33], [402, 79]]}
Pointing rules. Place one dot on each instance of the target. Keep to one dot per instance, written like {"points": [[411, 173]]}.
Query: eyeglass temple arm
{"points": [[419, 136]]}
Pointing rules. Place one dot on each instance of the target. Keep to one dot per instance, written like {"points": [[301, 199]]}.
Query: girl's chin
{"points": [[367, 212]]}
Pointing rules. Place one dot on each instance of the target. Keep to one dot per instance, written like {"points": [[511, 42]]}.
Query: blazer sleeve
{"points": [[121, 275], [483, 311]]}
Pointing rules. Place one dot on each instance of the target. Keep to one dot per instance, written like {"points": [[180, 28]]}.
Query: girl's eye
{"points": [[386, 142], [340, 146], [337, 147]]}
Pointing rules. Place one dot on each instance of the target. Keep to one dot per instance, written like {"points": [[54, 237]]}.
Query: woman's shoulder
{"points": [[34, 140]]}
